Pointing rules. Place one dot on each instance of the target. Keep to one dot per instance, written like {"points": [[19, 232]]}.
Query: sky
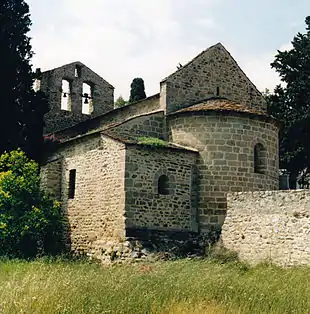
{"points": [[124, 39]]}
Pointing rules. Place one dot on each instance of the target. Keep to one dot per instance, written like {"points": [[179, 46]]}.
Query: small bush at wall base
{"points": [[221, 254], [30, 220]]}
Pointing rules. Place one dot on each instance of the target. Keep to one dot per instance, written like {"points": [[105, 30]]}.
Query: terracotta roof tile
{"points": [[222, 104]]}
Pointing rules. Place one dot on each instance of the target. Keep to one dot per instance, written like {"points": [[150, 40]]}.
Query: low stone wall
{"points": [[269, 226]]}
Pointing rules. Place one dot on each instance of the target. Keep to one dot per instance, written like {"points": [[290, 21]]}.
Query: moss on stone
{"points": [[152, 141]]}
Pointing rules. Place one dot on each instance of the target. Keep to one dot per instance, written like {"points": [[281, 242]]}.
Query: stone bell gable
{"points": [[213, 73], [75, 94]]}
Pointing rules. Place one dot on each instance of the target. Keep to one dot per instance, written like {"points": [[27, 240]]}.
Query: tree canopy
{"points": [[290, 104], [137, 91], [30, 221], [21, 109], [120, 102]]}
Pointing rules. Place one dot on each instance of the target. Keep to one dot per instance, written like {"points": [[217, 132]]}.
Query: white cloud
{"points": [[118, 39], [121, 39], [260, 72], [257, 67]]}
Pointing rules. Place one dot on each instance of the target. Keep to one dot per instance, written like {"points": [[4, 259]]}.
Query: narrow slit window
{"points": [[218, 91], [163, 185], [65, 95], [259, 159], [77, 71], [72, 180], [87, 99]]}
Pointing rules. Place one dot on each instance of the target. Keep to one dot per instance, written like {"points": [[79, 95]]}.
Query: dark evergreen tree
{"points": [[137, 91], [21, 109], [290, 104]]}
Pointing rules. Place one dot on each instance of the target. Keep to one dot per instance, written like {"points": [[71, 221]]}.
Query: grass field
{"points": [[182, 286]]}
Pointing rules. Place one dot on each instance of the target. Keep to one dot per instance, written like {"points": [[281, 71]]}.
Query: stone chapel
{"points": [[163, 164]]}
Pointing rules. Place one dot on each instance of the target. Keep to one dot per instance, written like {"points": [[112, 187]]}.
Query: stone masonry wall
{"points": [[145, 207], [51, 84], [97, 211], [50, 176], [113, 118], [212, 73], [226, 157], [269, 226], [149, 125]]}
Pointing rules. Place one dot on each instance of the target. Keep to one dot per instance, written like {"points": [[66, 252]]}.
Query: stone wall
{"points": [[149, 125], [97, 210], [51, 85], [269, 226], [226, 157], [50, 176], [113, 118], [145, 207], [212, 73]]}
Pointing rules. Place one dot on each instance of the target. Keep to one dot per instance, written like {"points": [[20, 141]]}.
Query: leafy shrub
{"points": [[30, 220]]}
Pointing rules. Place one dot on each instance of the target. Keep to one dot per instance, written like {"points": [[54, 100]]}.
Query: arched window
{"points": [[259, 158], [87, 99], [65, 95], [163, 185]]}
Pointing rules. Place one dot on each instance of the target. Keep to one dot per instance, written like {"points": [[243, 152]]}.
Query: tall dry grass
{"points": [[183, 286]]}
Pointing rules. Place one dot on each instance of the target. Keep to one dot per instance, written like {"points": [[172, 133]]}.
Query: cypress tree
{"points": [[21, 109], [137, 91]]}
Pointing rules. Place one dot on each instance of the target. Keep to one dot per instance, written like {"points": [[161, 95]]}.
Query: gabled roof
{"points": [[218, 45], [82, 65], [191, 61]]}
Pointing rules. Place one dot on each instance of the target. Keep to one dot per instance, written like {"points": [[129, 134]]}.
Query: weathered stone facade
{"points": [[97, 210], [226, 156], [145, 125], [145, 206], [213, 73], [113, 118], [269, 226], [51, 84], [115, 189], [121, 191]]}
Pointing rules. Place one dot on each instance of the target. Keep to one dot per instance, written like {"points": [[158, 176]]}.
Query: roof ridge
{"points": [[83, 65], [219, 44]]}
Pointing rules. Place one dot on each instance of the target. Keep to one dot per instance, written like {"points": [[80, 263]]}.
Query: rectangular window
{"points": [[77, 71], [87, 99], [65, 95], [72, 179]]}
